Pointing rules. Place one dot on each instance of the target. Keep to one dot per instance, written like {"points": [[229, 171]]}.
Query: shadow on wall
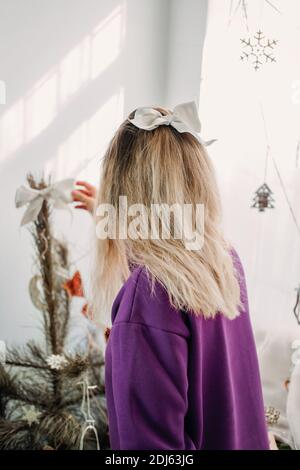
{"points": [[70, 69], [84, 78]]}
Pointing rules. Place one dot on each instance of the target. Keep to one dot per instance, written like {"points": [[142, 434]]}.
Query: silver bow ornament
{"points": [[59, 194], [184, 118]]}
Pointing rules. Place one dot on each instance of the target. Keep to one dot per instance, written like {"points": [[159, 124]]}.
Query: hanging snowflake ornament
{"points": [[31, 415], [56, 361], [296, 309], [263, 198], [258, 49]]}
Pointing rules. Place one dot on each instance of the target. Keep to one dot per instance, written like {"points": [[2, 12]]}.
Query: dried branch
{"points": [[28, 380]]}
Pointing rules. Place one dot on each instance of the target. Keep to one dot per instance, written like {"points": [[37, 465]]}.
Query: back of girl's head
{"points": [[165, 167]]}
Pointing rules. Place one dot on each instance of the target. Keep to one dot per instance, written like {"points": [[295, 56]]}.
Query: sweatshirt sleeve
{"points": [[147, 386]]}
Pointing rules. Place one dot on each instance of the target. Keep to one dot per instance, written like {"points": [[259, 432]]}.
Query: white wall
{"points": [[233, 95], [187, 28], [72, 70]]}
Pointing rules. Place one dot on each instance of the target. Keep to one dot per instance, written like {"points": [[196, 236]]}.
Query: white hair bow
{"points": [[184, 118], [59, 193]]}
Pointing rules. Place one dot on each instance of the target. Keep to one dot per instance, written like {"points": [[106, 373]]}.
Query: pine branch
{"points": [[14, 435], [62, 429], [30, 393]]}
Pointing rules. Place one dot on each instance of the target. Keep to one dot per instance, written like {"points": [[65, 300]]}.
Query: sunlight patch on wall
{"points": [[41, 106], [36, 111], [93, 55], [12, 129], [88, 142], [74, 70], [106, 42]]}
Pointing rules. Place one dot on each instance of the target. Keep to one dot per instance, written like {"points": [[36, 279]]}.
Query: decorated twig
{"points": [[39, 400]]}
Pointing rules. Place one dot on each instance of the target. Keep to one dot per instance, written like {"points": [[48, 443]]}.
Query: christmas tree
{"points": [[46, 401]]}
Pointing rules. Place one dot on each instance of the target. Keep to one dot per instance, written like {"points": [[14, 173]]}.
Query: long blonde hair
{"points": [[164, 166]]}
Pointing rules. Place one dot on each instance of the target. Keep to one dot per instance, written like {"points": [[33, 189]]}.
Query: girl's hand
{"points": [[85, 195]]}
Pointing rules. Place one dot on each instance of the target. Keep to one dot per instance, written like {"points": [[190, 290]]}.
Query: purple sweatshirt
{"points": [[180, 382]]}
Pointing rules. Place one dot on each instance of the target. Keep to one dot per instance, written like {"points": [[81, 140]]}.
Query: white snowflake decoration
{"points": [[31, 415], [56, 361], [258, 48]]}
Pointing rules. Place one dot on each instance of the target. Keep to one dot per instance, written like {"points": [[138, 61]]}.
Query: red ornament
{"points": [[107, 333], [85, 310], [74, 286]]}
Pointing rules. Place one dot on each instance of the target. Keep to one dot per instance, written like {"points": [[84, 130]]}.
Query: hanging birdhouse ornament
{"points": [[297, 306], [263, 198]]}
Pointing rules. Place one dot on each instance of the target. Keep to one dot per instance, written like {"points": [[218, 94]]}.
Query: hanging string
{"points": [[268, 148], [233, 11], [283, 187], [266, 163], [230, 13], [273, 6], [262, 4], [245, 14], [286, 195], [242, 4], [297, 153]]}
